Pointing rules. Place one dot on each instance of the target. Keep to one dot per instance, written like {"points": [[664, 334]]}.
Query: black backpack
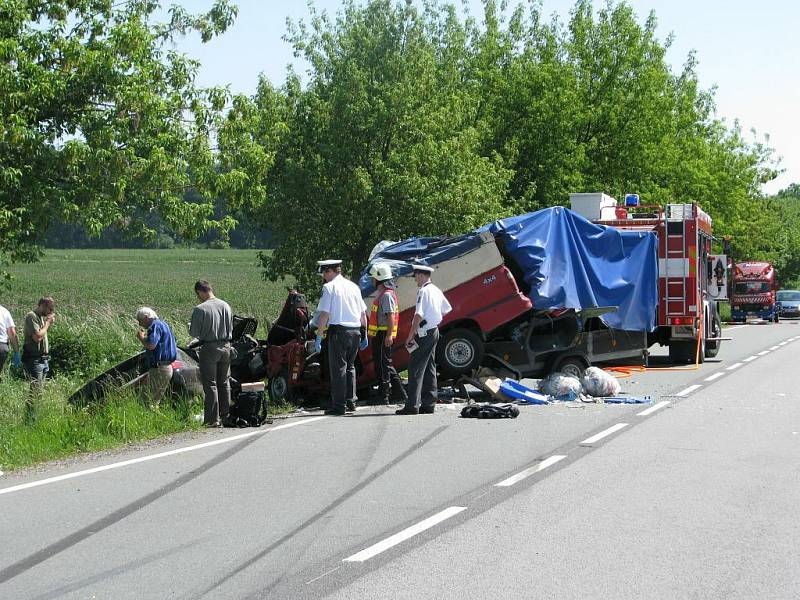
{"points": [[490, 411]]}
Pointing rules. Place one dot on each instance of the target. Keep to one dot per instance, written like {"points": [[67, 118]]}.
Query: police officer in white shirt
{"points": [[8, 336], [431, 308], [343, 314]]}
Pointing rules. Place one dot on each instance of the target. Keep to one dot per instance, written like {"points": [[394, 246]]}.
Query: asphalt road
{"points": [[692, 496]]}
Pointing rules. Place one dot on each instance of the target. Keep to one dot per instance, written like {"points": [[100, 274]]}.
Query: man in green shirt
{"points": [[36, 349]]}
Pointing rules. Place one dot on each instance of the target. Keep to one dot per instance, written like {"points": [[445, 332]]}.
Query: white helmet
{"points": [[381, 271]]}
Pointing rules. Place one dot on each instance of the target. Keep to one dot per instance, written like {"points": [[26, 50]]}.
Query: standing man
{"points": [[160, 352], [384, 319], [212, 325], [431, 308], [36, 349], [343, 314], [8, 335]]}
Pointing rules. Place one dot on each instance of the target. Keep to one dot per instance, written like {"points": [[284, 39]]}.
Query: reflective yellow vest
{"points": [[373, 328]]}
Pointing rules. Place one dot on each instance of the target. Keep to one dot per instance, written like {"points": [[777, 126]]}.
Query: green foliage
{"points": [[415, 122], [61, 430], [382, 143], [100, 120]]}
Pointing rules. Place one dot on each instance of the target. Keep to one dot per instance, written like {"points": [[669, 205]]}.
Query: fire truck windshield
{"points": [[751, 287]]}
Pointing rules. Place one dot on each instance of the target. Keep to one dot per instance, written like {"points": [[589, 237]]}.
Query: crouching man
{"points": [[160, 352]]}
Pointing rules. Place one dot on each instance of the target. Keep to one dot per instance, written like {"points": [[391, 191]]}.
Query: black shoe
{"points": [[407, 410], [332, 412], [426, 410], [351, 407]]}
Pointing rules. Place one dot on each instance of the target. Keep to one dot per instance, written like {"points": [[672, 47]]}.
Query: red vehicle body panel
{"points": [[484, 303]]}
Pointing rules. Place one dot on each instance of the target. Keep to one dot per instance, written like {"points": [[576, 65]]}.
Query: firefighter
{"points": [[384, 319], [423, 336], [342, 314]]}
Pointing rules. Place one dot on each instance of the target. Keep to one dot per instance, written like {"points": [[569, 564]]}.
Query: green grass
{"points": [[97, 293]]}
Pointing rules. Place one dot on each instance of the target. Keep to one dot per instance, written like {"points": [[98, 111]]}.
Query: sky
{"points": [[750, 51]]}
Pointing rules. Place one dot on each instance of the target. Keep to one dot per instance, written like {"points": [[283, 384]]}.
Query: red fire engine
{"points": [[691, 278]]}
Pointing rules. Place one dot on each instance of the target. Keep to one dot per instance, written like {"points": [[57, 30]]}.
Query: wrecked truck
{"points": [[537, 293]]}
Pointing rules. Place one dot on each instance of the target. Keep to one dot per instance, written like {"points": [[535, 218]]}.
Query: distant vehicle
{"points": [[788, 303], [754, 286]]}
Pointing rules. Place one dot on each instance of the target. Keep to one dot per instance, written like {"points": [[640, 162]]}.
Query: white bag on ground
{"points": [[558, 384], [600, 383]]}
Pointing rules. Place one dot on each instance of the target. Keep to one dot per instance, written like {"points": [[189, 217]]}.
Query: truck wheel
{"points": [[279, 390], [572, 366], [459, 352], [712, 348]]}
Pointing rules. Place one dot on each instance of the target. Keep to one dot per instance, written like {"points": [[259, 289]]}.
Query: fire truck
{"points": [[691, 279], [754, 291]]}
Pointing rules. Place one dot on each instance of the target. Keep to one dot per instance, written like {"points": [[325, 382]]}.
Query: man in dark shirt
{"points": [[160, 352], [36, 350]]}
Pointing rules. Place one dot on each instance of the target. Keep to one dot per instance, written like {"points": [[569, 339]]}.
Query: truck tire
{"points": [[278, 387], [459, 352], [712, 348], [572, 366]]}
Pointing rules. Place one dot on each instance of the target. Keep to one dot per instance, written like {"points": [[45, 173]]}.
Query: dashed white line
{"points": [[714, 376], [689, 390], [734, 366], [783, 343], [775, 347], [141, 459], [750, 358], [653, 408], [762, 353], [547, 462], [402, 536], [604, 433]]}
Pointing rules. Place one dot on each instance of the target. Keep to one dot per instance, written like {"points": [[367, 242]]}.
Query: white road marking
{"points": [[402, 536], [604, 433], [762, 353], [750, 358], [323, 575], [714, 376], [141, 459], [783, 343], [725, 329], [530, 471], [689, 390], [653, 408], [734, 366], [775, 347]]}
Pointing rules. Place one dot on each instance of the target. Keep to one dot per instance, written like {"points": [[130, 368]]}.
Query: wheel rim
{"points": [[459, 353], [278, 388]]}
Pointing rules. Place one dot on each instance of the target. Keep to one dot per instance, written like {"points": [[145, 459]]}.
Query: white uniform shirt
{"points": [[341, 299], [6, 322], [432, 306]]}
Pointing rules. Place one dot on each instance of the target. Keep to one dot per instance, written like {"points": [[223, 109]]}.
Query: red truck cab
{"points": [[755, 285]]}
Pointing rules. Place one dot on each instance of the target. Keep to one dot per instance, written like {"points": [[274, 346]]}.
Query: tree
{"points": [[101, 122], [381, 143]]}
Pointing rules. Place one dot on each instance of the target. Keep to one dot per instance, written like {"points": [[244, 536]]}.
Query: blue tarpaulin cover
{"points": [[430, 251], [569, 262]]}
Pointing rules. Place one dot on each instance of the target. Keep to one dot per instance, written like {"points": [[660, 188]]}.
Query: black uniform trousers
{"points": [[422, 384], [342, 349], [389, 381]]}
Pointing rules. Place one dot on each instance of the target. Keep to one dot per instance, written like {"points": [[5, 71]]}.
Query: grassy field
{"points": [[97, 293], [84, 282]]}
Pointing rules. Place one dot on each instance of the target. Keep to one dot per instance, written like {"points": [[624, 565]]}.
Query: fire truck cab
{"points": [[690, 281]]}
